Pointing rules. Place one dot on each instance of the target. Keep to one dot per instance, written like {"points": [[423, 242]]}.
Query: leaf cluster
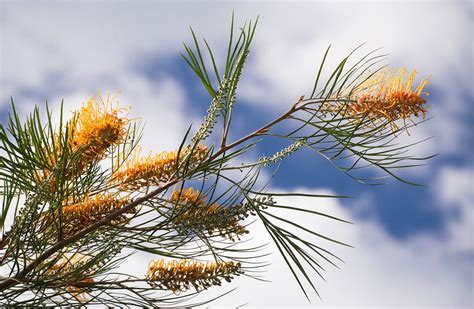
{"points": [[41, 174]]}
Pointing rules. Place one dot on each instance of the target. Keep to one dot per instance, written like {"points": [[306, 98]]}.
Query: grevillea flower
{"points": [[80, 215], [181, 275], [66, 264], [155, 169], [191, 212], [386, 97], [78, 293], [96, 127]]}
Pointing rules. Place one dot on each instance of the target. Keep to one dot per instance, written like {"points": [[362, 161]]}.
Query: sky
{"points": [[413, 245]]}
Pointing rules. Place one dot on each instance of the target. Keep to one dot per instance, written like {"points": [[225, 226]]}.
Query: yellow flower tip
{"points": [[152, 170], [193, 212], [78, 293], [389, 96], [90, 210], [66, 262], [182, 275], [96, 126], [188, 196]]}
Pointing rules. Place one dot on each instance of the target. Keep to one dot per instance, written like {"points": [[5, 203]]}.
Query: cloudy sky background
{"points": [[414, 246]]}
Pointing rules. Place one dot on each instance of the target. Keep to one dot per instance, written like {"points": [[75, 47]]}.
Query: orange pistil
{"points": [[194, 213], [386, 97], [90, 210], [389, 96], [153, 170], [180, 276], [78, 293], [96, 127]]}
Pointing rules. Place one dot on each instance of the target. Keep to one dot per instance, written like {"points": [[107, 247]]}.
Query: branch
{"points": [[104, 221]]}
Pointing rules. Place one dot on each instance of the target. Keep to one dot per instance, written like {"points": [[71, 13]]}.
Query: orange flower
{"points": [[96, 127], [78, 293], [386, 97], [82, 214], [180, 276], [192, 212], [153, 170], [389, 96]]}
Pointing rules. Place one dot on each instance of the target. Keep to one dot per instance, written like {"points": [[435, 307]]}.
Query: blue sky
{"points": [[68, 50]]}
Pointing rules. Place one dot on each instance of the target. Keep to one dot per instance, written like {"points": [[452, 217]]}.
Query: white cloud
{"points": [[162, 107], [70, 50], [456, 186], [99, 42], [456, 197], [380, 271], [79, 45], [291, 40]]}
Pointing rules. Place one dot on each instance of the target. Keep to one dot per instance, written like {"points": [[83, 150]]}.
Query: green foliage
{"points": [[45, 179]]}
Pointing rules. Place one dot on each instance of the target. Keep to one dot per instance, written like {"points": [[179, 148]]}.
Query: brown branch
{"points": [[59, 245], [5, 238], [5, 284]]}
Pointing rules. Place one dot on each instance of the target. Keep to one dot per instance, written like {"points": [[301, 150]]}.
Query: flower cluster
{"points": [[96, 127], [191, 212], [153, 170], [386, 97], [181, 275], [90, 210], [66, 262]]}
